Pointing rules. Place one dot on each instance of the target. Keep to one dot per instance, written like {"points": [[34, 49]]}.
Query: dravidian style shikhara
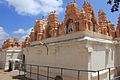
{"points": [[74, 21]]}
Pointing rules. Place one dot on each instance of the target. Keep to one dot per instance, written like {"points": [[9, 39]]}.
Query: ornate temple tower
{"points": [[7, 44], [102, 16], [26, 42], [36, 30], [32, 36], [106, 26], [39, 30], [16, 42], [118, 28], [111, 30], [23, 45], [4, 45], [70, 23], [83, 21], [102, 21], [87, 18], [52, 29], [10, 43]]}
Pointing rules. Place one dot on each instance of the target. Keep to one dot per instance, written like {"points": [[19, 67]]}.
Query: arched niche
{"points": [[16, 44], [49, 31], [35, 35], [69, 26]]}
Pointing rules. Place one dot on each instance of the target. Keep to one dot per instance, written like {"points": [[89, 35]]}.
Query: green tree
{"points": [[115, 5]]}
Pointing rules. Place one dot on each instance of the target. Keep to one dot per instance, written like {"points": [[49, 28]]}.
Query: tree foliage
{"points": [[115, 5]]}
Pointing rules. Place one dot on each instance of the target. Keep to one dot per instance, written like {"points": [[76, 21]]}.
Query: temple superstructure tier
{"points": [[75, 20], [9, 43]]}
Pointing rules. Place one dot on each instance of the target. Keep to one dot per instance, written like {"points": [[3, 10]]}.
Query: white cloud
{"points": [[35, 7], [27, 33], [19, 31], [29, 30], [22, 33], [3, 35]]}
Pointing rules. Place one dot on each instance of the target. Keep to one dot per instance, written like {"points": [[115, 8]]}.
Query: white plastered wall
{"points": [[2, 59], [67, 55]]}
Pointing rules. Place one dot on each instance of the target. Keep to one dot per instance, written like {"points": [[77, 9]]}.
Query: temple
{"points": [[80, 41], [74, 21]]}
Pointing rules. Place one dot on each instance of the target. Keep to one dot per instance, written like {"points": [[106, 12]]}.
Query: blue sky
{"points": [[17, 17]]}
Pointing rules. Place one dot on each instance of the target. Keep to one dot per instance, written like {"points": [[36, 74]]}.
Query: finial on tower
{"points": [[74, 1], [85, 1], [42, 17]]}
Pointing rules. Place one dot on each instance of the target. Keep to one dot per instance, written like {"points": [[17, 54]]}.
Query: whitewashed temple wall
{"points": [[103, 56], [67, 55], [79, 51], [76, 55], [117, 55], [2, 59], [90, 52]]}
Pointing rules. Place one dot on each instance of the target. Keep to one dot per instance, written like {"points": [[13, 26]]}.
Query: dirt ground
{"points": [[9, 75]]}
